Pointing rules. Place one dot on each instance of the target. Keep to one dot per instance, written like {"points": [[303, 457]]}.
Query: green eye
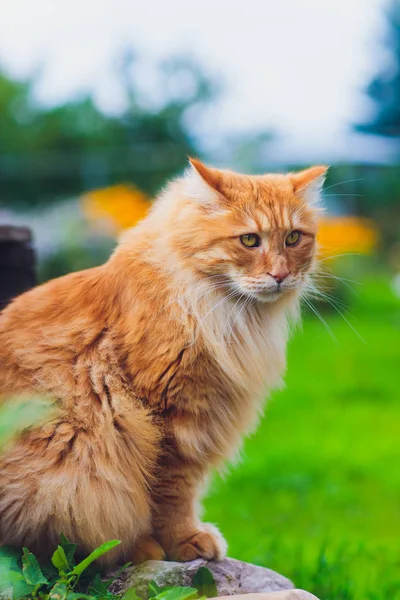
{"points": [[293, 238], [250, 240]]}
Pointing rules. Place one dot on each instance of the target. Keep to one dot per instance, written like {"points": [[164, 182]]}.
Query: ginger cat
{"points": [[158, 363]]}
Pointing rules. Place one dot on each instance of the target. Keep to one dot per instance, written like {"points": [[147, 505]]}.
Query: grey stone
{"points": [[231, 577], [282, 595]]}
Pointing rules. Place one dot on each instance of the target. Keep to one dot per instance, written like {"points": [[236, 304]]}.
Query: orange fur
{"points": [[158, 362]]}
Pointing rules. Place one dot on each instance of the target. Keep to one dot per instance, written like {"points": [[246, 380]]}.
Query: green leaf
{"points": [[12, 581], [204, 582], [60, 560], [130, 594], [58, 591], [20, 588], [31, 570], [69, 549], [153, 589], [108, 582], [10, 553], [98, 587], [78, 570], [5, 568], [79, 596], [64, 541], [178, 593], [50, 572]]}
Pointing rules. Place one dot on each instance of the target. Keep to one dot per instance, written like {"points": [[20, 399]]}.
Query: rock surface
{"points": [[231, 577], [282, 595]]}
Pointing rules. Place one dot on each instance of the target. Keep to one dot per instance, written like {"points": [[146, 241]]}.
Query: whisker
{"points": [[193, 289], [334, 303], [347, 321], [343, 280], [221, 301], [328, 297], [339, 255], [233, 310], [328, 195], [235, 320], [204, 293], [245, 306], [331, 276], [341, 183], [320, 317]]}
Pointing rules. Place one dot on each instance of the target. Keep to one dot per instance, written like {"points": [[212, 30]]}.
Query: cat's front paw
{"points": [[204, 542]]}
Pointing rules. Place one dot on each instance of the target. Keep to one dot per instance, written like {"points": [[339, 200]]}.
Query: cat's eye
{"points": [[293, 238], [250, 240]]}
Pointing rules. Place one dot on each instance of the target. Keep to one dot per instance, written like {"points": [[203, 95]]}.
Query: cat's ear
{"points": [[203, 183], [211, 176], [308, 184]]}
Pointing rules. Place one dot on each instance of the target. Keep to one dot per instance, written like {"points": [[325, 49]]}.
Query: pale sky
{"points": [[298, 66]]}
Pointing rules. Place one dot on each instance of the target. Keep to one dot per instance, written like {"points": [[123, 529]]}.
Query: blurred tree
{"points": [[384, 90], [379, 186], [46, 153]]}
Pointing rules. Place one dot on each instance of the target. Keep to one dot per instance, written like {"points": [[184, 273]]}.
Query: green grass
{"points": [[317, 494]]}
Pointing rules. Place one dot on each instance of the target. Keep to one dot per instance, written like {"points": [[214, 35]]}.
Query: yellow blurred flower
{"points": [[346, 234], [115, 208]]}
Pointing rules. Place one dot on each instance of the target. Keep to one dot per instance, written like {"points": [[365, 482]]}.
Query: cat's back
{"points": [[50, 322], [50, 304]]}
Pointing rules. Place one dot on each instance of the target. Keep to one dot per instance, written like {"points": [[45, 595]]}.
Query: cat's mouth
{"points": [[264, 291]]}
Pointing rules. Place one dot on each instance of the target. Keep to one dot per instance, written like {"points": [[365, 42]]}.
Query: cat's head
{"points": [[256, 234]]}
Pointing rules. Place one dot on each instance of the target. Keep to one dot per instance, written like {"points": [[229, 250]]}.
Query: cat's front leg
{"points": [[147, 548], [176, 524]]}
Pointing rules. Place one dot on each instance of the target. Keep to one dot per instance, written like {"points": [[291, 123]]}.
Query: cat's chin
{"points": [[269, 296]]}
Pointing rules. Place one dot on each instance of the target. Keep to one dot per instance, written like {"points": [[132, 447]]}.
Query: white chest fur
{"points": [[248, 345], [249, 342]]}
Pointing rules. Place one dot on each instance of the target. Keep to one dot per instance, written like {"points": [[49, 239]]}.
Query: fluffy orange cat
{"points": [[158, 362]]}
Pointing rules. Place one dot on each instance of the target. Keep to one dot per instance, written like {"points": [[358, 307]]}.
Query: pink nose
{"points": [[279, 277]]}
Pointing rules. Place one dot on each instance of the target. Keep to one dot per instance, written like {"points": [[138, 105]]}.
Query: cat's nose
{"points": [[279, 276]]}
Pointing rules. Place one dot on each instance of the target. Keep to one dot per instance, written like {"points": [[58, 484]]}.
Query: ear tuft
{"points": [[307, 184]]}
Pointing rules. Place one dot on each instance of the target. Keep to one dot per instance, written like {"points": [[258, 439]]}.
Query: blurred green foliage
{"points": [[51, 153], [317, 493], [17, 414], [78, 253], [384, 89]]}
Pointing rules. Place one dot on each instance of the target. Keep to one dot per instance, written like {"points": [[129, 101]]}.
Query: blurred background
{"points": [[101, 102]]}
